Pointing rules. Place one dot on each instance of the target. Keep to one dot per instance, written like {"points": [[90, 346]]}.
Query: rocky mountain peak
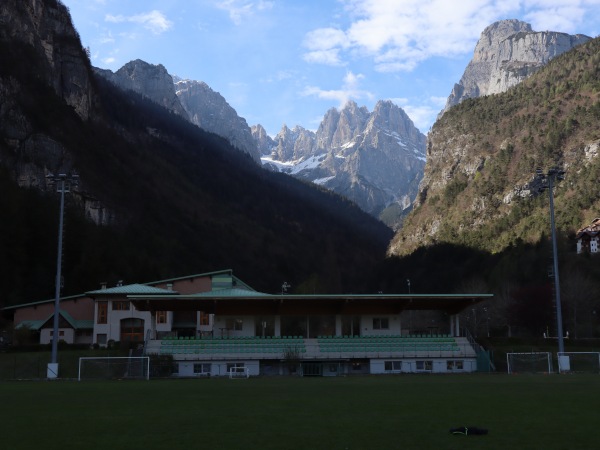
{"points": [[210, 111], [193, 100], [152, 81], [507, 52], [263, 140], [294, 144], [375, 159]]}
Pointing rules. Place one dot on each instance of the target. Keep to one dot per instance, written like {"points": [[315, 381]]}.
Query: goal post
{"points": [[114, 367], [578, 362], [239, 372], [533, 362]]}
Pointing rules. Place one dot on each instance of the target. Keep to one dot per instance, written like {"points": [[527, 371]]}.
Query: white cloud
{"points": [[155, 21], [330, 57], [424, 114], [349, 90], [325, 45], [399, 35], [238, 10], [107, 39]]}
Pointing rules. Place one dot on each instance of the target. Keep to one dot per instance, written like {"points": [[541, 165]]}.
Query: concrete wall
{"points": [[425, 365]]}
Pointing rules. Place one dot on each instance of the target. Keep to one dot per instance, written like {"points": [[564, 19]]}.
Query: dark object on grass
{"points": [[469, 431]]}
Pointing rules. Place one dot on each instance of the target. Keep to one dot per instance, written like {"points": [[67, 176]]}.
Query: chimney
{"points": [[119, 283], [103, 285]]}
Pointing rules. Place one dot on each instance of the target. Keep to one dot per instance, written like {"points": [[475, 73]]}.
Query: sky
{"points": [[289, 61]]}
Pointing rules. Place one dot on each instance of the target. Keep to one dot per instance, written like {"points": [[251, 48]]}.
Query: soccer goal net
{"points": [[579, 362], [114, 367], [534, 362], [239, 372]]}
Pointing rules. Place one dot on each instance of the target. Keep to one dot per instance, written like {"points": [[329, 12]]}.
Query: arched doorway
{"points": [[132, 330]]}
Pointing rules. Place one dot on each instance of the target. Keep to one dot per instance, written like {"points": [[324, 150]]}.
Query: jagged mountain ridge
{"points": [[508, 52], [150, 80], [332, 157], [211, 112], [192, 100], [373, 158]]}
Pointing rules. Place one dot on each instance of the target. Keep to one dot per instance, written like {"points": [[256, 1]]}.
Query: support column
{"points": [[277, 326], [452, 325], [153, 324]]}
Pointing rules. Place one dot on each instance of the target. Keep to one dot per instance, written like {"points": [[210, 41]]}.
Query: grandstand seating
{"points": [[387, 344], [321, 347], [237, 345]]}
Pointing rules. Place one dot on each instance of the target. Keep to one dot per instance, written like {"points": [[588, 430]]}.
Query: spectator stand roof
{"points": [[247, 302]]}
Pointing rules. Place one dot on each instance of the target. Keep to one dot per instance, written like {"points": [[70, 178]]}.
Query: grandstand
{"points": [[215, 324], [333, 355], [324, 335]]}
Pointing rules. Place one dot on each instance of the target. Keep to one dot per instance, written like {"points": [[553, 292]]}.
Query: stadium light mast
{"points": [[64, 185], [548, 181]]}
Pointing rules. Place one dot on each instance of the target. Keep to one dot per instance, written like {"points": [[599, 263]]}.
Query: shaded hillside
{"points": [[176, 200], [479, 188]]}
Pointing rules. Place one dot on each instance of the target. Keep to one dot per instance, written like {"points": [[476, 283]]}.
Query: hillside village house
{"points": [[587, 237], [214, 323]]}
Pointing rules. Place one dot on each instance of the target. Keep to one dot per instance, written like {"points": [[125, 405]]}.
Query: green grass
{"points": [[33, 365], [372, 412]]}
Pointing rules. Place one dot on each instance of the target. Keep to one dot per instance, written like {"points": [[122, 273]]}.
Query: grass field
{"points": [[371, 412]]}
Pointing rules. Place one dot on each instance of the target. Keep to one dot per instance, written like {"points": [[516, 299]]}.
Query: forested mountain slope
{"points": [[158, 197], [479, 187]]}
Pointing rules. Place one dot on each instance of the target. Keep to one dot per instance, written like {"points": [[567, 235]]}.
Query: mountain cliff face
{"points": [[479, 188], [46, 27], [41, 48], [373, 158], [211, 112], [507, 52], [150, 80], [192, 100]]}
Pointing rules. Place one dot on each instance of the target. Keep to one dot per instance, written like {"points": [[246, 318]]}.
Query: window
{"points": [[201, 368], [204, 318], [161, 317], [235, 367], [424, 365], [102, 310], [392, 366], [454, 365], [235, 324], [120, 305], [132, 330], [101, 339], [381, 323]]}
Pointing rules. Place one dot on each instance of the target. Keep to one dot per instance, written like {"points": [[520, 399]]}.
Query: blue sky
{"points": [[288, 61]]}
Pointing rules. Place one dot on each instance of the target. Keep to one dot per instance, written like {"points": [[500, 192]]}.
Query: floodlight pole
{"points": [[551, 176], [62, 180]]}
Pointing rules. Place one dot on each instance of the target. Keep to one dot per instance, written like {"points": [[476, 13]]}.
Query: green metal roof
{"points": [[32, 324], [75, 324], [234, 292], [132, 289], [41, 302], [238, 282]]}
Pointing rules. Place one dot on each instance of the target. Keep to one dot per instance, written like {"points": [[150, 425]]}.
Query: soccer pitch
{"points": [[371, 412]]}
